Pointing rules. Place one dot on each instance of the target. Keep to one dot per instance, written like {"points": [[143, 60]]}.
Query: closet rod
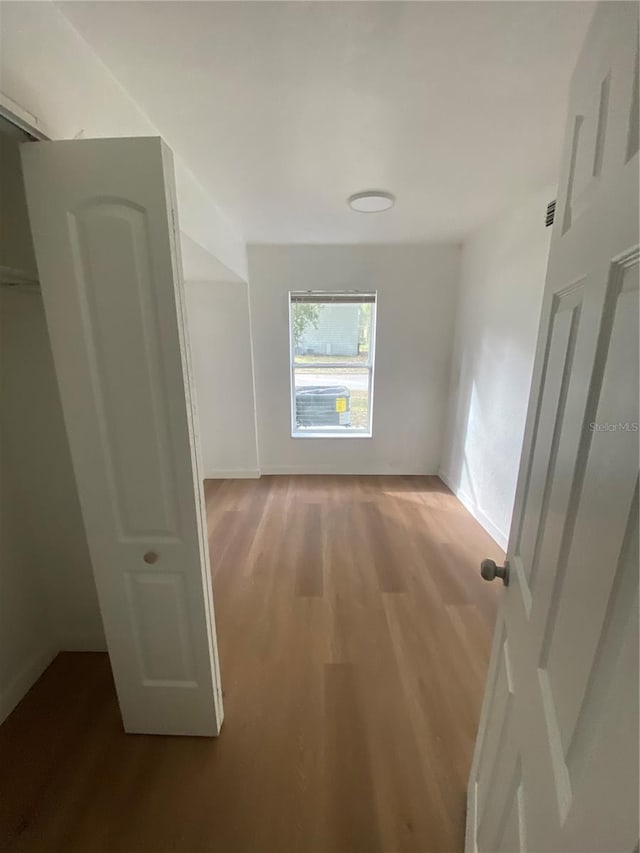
{"points": [[22, 285]]}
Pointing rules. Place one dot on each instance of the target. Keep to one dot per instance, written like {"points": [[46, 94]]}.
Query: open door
{"points": [[104, 223], [556, 761]]}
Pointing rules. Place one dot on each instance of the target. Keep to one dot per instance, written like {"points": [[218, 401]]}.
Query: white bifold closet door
{"points": [[104, 223]]}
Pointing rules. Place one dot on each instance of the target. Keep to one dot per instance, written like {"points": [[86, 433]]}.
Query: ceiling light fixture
{"points": [[371, 201]]}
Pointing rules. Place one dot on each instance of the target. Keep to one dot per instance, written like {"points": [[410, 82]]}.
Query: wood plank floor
{"points": [[354, 634]]}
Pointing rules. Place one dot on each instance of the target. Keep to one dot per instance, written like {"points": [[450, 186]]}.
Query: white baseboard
{"points": [[233, 474], [24, 680], [500, 537], [349, 471]]}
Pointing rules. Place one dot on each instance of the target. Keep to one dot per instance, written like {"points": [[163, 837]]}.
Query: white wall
{"points": [[502, 279], [48, 600], [17, 260], [417, 288], [220, 339], [47, 594], [48, 69], [26, 634]]}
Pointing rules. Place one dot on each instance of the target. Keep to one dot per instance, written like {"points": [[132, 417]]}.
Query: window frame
{"points": [[337, 432]]}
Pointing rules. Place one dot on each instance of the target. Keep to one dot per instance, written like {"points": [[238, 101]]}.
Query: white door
{"points": [[103, 217], [556, 762]]}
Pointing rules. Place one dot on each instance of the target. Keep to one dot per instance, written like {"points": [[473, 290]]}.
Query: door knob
{"points": [[150, 557], [489, 571]]}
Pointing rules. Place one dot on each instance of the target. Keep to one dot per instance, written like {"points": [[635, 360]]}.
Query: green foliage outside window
{"points": [[304, 315]]}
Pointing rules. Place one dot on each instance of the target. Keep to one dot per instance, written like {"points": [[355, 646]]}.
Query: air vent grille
{"points": [[551, 212]]}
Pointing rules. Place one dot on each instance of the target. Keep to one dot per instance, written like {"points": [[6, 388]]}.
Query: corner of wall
{"points": [[499, 536], [501, 282], [20, 684], [94, 642]]}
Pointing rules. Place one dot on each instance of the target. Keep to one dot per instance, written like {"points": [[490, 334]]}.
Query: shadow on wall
{"points": [[502, 284]]}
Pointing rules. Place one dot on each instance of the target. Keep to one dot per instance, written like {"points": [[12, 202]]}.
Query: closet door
{"points": [[104, 224]]}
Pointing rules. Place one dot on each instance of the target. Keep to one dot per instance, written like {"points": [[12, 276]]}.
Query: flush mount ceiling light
{"points": [[371, 201]]}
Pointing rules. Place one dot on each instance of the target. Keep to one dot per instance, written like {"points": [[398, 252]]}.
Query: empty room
{"points": [[319, 422]]}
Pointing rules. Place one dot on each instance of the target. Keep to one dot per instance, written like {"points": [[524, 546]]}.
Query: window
{"points": [[332, 354]]}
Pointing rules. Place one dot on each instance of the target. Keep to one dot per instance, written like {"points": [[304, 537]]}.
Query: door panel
{"points": [[606, 734], [112, 272], [565, 319], [103, 221], [160, 620], [561, 773], [579, 600]]}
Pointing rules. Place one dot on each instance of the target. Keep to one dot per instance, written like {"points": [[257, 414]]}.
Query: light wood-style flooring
{"points": [[354, 633]]}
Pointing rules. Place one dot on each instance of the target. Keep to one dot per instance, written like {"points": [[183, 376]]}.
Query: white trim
{"points": [[338, 432], [22, 118], [233, 474], [24, 680], [498, 535], [372, 358], [253, 377], [471, 821], [369, 366], [332, 365], [343, 468], [292, 369]]}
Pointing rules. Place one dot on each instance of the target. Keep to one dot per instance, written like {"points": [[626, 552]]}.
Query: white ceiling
{"points": [[283, 109]]}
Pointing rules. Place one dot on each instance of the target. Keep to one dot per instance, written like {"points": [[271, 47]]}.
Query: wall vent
{"points": [[551, 212]]}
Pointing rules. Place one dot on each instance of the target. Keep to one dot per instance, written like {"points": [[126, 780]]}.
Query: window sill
{"points": [[311, 434]]}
